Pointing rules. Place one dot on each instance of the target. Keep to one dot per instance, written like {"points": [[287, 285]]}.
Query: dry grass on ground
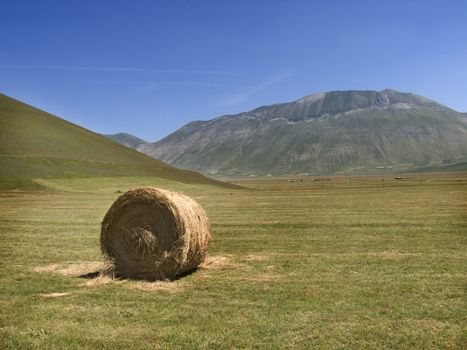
{"points": [[290, 266]]}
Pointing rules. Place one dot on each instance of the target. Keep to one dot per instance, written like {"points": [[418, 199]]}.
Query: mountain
{"points": [[128, 140], [132, 142], [328, 132], [35, 144]]}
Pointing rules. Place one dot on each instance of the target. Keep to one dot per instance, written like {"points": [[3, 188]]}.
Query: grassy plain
{"points": [[362, 263]]}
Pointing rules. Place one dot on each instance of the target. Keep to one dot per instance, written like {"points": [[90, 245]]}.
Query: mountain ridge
{"points": [[327, 132], [127, 140]]}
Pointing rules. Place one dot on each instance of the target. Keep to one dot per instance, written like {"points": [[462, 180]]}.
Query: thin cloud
{"points": [[151, 84], [118, 82], [245, 95], [189, 83], [116, 69], [182, 71]]}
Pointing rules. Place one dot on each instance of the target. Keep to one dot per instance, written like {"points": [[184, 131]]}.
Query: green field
{"points": [[362, 263]]}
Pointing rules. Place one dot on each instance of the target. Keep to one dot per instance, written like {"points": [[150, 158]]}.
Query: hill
{"points": [[329, 132], [36, 144]]}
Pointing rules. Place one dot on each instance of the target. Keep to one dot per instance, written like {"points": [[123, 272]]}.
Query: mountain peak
{"points": [[312, 98], [127, 139], [333, 131], [338, 102]]}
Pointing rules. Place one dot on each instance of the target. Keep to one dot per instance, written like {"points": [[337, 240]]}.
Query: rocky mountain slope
{"points": [[328, 132]]}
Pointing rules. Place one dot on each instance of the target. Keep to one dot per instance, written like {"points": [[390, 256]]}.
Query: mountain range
{"points": [[328, 132]]}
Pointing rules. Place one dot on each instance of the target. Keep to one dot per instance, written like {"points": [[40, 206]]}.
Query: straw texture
{"points": [[153, 234]]}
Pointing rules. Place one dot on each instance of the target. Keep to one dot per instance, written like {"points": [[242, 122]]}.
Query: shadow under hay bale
{"points": [[154, 234], [91, 275]]}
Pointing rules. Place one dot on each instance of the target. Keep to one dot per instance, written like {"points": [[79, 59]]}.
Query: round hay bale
{"points": [[154, 234]]}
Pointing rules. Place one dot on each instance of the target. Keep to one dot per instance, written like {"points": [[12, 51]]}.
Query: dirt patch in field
{"points": [[254, 257], [72, 269], [390, 255], [93, 274], [159, 286], [432, 325], [97, 281], [220, 262], [264, 277], [55, 295], [393, 254]]}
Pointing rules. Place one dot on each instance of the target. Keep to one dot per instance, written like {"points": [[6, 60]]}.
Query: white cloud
{"points": [[262, 85], [152, 84]]}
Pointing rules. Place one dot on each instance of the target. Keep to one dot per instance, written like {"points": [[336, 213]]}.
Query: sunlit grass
{"points": [[291, 266]]}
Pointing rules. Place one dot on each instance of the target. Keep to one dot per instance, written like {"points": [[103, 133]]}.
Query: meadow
{"points": [[333, 263]]}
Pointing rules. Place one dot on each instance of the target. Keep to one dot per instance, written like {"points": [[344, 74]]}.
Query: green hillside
{"points": [[35, 144]]}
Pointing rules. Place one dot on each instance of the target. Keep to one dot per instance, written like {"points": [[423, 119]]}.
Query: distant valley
{"points": [[337, 132]]}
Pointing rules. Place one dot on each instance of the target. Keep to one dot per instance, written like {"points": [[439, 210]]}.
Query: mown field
{"points": [[340, 263]]}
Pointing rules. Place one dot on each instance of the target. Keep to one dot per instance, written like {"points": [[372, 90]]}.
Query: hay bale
{"points": [[153, 234]]}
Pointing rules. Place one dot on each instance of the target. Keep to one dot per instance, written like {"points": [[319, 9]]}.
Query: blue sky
{"points": [[149, 67]]}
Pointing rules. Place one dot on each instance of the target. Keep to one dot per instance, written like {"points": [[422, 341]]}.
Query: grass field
{"points": [[362, 263]]}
